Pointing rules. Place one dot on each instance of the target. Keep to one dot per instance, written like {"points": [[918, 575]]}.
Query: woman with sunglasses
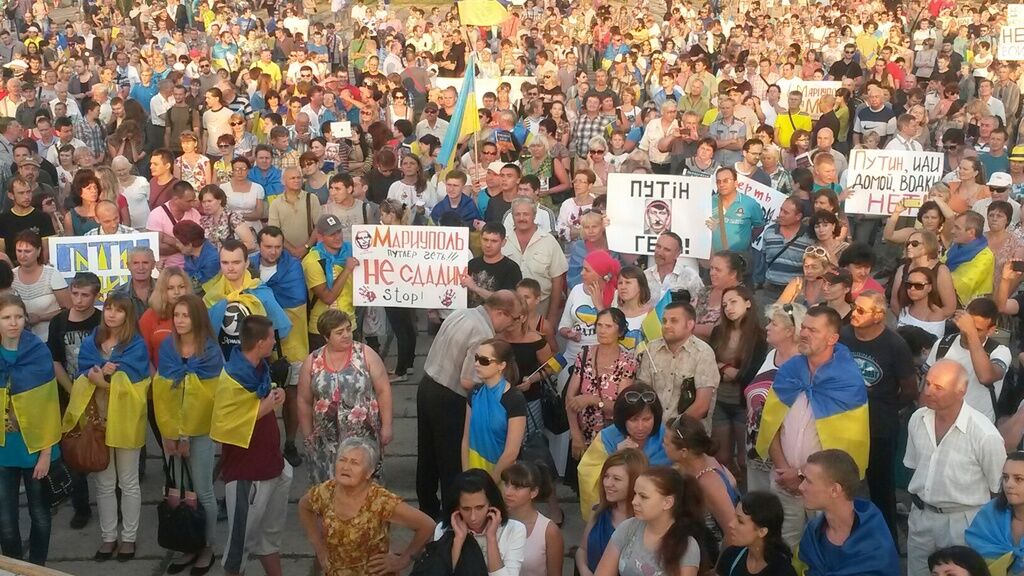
{"points": [[689, 448], [496, 411], [920, 303], [922, 251], [245, 141], [636, 424], [398, 107], [808, 289], [597, 162]]}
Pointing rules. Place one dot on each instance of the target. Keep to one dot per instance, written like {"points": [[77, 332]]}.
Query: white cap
{"points": [[1000, 180], [495, 166]]}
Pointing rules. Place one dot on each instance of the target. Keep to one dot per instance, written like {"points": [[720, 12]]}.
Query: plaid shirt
{"points": [[289, 159], [93, 135], [585, 129]]}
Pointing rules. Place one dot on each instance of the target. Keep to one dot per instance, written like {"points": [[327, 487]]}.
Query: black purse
{"points": [[552, 405], [436, 558], [181, 525], [57, 483], [535, 446]]}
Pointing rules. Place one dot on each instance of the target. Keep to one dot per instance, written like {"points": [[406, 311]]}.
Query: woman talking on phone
{"points": [[477, 511]]}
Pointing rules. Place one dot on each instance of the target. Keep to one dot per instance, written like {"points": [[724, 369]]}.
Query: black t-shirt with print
{"points": [[501, 275], [883, 362]]}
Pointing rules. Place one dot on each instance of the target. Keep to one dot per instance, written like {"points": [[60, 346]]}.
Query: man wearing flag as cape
{"points": [[818, 401]]}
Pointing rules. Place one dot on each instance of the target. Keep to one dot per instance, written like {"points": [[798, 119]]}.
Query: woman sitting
{"points": [[923, 252], [808, 289], [348, 518], [522, 484], [637, 424], [662, 537], [689, 447], [618, 474], [475, 519], [496, 411], [756, 536], [996, 531]]}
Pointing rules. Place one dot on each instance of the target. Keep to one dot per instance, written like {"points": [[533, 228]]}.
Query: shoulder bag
{"points": [[181, 521], [84, 448]]}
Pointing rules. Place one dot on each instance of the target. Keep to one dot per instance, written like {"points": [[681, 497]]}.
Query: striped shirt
{"points": [[784, 260]]}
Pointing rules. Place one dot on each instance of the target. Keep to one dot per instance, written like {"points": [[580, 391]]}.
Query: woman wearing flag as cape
{"points": [[183, 392], [31, 412], [821, 387], [113, 372]]}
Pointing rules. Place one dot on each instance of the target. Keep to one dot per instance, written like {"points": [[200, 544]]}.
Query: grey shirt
{"points": [[450, 359], [635, 559]]}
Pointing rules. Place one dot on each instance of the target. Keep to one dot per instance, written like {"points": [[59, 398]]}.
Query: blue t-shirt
{"points": [[14, 453], [741, 218]]}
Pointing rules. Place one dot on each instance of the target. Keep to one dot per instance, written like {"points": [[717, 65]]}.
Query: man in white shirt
{"points": [[529, 187], [61, 88], [999, 184], [957, 456], [995, 106], [431, 124], [983, 359], [63, 128], [158, 107], [906, 131], [671, 270], [393, 59], [315, 108], [664, 128]]}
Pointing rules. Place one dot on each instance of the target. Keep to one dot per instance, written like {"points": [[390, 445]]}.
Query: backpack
{"points": [[1000, 404]]}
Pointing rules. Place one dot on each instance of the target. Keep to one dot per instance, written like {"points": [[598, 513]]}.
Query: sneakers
{"points": [[291, 454]]}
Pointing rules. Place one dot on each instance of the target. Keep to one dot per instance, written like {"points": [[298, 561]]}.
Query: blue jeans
{"points": [[38, 510]]}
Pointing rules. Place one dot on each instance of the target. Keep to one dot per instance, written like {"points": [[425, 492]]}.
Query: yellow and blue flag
{"points": [[606, 444], [129, 390], [236, 403], [183, 390], [556, 363], [465, 120], [837, 397], [991, 536], [482, 12], [30, 386]]}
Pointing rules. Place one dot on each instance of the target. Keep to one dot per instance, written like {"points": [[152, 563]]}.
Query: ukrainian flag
{"points": [[606, 444], [482, 13], [236, 403], [29, 385], [253, 294], [838, 400], [183, 390], [556, 363], [465, 120], [129, 389]]}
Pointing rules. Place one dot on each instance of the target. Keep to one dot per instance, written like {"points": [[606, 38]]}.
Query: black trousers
{"points": [[402, 321], [881, 478], [440, 419]]}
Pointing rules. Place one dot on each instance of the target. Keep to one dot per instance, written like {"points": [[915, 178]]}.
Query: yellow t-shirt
{"points": [[784, 127], [315, 276], [270, 68]]}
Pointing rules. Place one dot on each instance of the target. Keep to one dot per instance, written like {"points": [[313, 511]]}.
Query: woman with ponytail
{"points": [[758, 548], [667, 509], [495, 413]]}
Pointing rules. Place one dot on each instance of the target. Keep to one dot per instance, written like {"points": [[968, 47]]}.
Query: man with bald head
{"points": [[292, 213], [957, 457], [108, 216], [448, 376], [825, 140], [62, 97]]}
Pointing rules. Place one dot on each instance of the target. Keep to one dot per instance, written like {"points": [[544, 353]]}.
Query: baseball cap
{"points": [[30, 160], [495, 166], [1000, 180], [839, 276], [328, 224], [1017, 154]]}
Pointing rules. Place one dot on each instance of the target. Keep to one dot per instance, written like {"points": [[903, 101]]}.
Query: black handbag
{"points": [[57, 483], [181, 525], [436, 558], [535, 447], [552, 405]]}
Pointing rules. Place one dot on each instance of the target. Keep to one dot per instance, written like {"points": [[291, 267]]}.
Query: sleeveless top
{"points": [[535, 562], [81, 224], [734, 497], [937, 327]]}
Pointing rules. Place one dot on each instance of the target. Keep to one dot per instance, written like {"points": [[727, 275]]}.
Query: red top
{"points": [[154, 330], [262, 460]]}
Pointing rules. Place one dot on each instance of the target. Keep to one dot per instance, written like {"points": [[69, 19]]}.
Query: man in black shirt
{"points": [[68, 330], [887, 366], [22, 216], [847, 67], [493, 270]]}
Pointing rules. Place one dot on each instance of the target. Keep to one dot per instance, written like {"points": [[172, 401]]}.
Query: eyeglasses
{"points": [[238, 123], [998, 189], [860, 310], [484, 360], [914, 243], [597, 151], [399, 97], [816, 251], [632, 397], [918, 285], [223, 145]]}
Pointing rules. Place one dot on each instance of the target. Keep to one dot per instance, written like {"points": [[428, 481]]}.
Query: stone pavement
{"points": [[71, 550]]}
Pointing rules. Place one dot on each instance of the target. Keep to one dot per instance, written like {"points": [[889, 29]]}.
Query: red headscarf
{"points": [[608, 268]]}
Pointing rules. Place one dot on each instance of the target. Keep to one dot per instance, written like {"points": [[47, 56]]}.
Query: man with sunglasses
{"points": [[888, 369], [999, 185]]}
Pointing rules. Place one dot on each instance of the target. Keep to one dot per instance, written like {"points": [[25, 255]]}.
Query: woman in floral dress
{"points": [[344, 392]]}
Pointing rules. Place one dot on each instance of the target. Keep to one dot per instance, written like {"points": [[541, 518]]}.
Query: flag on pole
{"points": [[465, 120], [482, 12]]}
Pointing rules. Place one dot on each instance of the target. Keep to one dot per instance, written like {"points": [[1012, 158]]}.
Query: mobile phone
{"points": [[912, 202], [1017, 265]]}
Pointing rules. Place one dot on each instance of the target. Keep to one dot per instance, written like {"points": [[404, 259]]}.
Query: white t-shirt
{"points": [[137, 196], [406, 194], [978, 396], [245, 202], [215, 125], [580, 314], [39, 296]]}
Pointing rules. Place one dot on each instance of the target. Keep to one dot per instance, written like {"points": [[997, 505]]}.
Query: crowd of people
{"points": [[821, 394]]}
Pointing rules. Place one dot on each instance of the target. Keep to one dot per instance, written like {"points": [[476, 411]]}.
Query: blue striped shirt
{"points": [[784, 262]]}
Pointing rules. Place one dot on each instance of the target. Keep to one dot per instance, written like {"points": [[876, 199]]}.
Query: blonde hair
{"points": [[159, 301], [109, 184]]}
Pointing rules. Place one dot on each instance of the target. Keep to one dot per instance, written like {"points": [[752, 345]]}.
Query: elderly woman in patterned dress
{"points": [[344, 392]]}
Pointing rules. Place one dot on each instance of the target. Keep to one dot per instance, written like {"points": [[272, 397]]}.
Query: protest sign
{"points": [[1014, 13], [813, 90], [880, 179], [410, 266], [642, 206], [770, 199], [1011, 41], [104, 255]]}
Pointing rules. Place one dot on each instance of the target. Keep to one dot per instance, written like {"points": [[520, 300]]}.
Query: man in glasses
{"points": [[849, 531], [999, 184], [818, 402], [887, 366]]}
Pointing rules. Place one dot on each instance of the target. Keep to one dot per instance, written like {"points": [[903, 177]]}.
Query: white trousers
{"points": [[123, 472]]}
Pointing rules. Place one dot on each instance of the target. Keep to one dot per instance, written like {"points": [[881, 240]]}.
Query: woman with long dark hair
{"points": [[667, 508], [740, 347], [726, 271], [756, 535], [496, 411], [995, 530], [477, 510]]}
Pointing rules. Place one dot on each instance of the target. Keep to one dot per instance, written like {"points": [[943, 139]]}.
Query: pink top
{"points": [[160, 221], [799, 436]]}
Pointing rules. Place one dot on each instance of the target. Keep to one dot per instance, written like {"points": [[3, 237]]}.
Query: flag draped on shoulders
{"points": [[253, 294], [606, 444], [868, 551], [990, 534], [129, 389], [288, 283], [236, 404], [488, 427], [30, 386], [204, 266], [837, 397], [465, 119], [184, 389]]}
